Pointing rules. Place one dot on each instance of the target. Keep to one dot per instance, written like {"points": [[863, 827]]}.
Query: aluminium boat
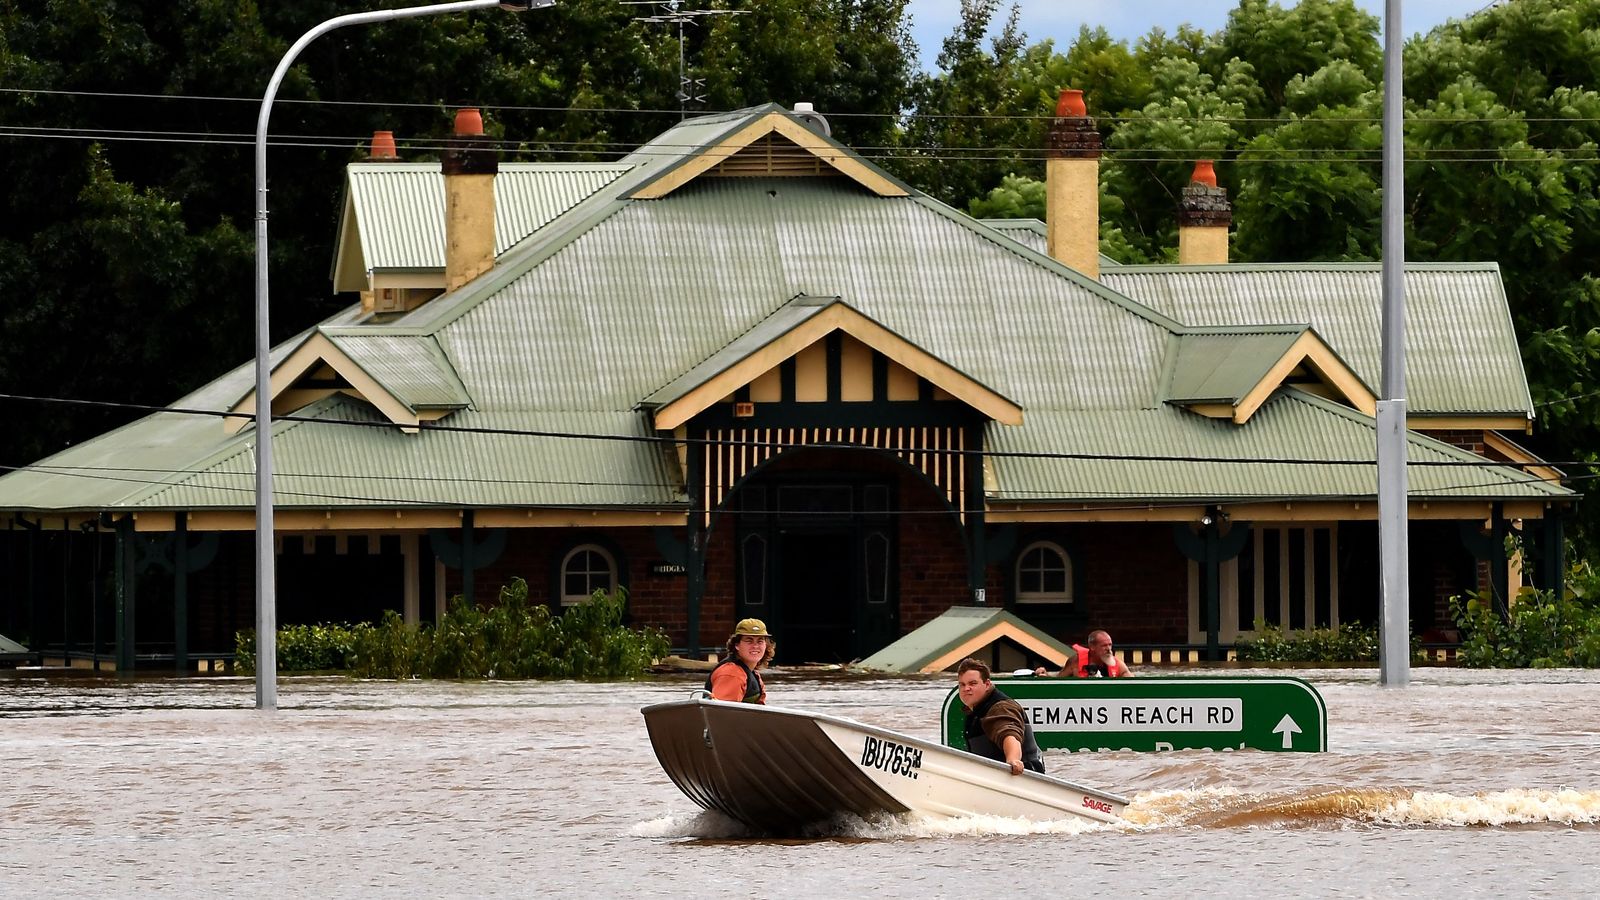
{"points": [[778, 770]]}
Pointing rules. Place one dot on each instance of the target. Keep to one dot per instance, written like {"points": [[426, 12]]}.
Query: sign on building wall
{"points": [[1171, 713]]}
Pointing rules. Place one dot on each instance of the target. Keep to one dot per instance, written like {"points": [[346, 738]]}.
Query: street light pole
{"points": [[1394, 629], [266, 580]]}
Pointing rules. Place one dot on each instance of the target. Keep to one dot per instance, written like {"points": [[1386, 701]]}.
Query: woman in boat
{"points": [[736, 678]]}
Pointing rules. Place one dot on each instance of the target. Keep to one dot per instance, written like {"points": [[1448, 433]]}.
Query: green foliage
{"points": [[1350, 642], [303, 648], [1540, 632], [510, 639]]}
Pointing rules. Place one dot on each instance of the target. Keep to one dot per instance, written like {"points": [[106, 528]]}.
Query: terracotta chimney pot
{"points": [[383, 147], [1204, 173], [1070, 103], [469, 121]]}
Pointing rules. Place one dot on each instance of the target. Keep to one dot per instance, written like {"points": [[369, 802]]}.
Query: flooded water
{"points": [[1464, 784]]}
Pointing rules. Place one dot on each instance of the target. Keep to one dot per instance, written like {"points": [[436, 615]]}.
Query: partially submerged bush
{"points": [[510, 639], [1539, 631], [1349, 642]]}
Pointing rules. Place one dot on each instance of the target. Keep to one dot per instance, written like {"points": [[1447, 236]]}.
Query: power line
{"points": [[763, 444], [897, 116], [945, 154]]}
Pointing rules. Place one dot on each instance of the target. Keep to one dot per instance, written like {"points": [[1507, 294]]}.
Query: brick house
{"points": [[743, 371]]}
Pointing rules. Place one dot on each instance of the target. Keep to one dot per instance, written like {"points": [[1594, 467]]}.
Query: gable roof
{"points": [[764, 140], [1297, 447], [957, 633], [791, 328], [1462, 355], [1229, 373], [405, 377], [392, 222]]}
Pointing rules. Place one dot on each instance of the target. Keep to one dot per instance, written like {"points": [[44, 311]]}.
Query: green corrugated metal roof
{"points": [[944, 634], [411, 367], [1225, 367], [347, 466], [1034, 235], [1021, 324], [783, 320], [1462, 356], [399, 211], [576, 326], [1296, 445]]}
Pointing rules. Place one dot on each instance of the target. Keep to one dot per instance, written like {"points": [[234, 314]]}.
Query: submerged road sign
{"points": [[1170, 713]]}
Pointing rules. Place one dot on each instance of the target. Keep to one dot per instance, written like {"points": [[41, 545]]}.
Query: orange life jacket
{"points": [[1117, 668]]}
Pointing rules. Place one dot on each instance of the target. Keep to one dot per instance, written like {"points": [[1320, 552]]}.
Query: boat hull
{"points": [[778, 769]]}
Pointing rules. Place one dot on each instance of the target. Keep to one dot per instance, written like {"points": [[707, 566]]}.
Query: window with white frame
{"points": [[587, 568], [1044, 574], [1285, 576]]}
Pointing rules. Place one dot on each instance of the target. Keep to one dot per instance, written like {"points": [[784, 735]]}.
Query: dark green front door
{"points": [[816, 600], [816, 562]]}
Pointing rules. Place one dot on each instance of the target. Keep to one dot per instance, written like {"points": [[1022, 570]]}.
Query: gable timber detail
{"points": [[835, 317], [749, 149], [317, 352]]}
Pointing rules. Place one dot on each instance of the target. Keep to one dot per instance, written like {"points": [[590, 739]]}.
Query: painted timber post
{"points": [[1211, 549], [695, 554], [180, 593], [468, 568], [977, 545], [1491, 548], [126, 554], [467, 554], [1552, 570]]}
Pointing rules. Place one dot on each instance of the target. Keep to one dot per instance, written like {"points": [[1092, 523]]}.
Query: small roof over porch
{"points": [[960, 632]]}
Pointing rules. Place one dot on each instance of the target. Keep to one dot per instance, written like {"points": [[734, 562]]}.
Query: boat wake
{"points": [[1221, 807], [714, 826], [1211, 807]]}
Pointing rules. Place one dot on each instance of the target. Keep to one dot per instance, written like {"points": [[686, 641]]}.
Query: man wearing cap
{"points": [[735, 679]]}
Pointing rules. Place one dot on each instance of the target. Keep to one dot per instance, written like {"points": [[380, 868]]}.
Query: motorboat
{"points": [[779, 770]]}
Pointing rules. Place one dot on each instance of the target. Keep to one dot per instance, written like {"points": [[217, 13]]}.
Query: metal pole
{"points": [[266, 587], [1394, 643]]}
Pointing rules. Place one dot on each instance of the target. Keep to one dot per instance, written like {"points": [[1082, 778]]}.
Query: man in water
{"points": [[995, 726], [1094, 661]]}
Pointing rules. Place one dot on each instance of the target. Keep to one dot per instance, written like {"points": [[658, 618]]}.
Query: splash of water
{"points": [[1223, 807]]}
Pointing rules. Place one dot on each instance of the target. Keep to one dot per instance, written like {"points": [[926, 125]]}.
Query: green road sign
{"points": [[1173, 713]]}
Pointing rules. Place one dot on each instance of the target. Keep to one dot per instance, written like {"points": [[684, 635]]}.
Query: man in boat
{"points": [[1094, 661], [995, 725], [736, 678]]}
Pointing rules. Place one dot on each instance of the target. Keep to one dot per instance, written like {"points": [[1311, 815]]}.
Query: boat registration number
{"points": [[888, 756]]}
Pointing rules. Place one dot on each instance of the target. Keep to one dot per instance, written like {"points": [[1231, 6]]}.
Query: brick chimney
{"points": [[1072, 186], [1204, 215], [470, 164]]}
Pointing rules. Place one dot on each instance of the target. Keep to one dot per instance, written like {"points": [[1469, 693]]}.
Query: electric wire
{"points": [[897, 116]]}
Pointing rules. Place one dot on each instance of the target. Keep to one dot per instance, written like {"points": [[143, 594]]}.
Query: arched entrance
{"points": [[818, 538]]}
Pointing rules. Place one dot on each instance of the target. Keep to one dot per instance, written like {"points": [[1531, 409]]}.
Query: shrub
{"points": [[1541, 631], [302, 648], [509, 639], [1349, 642]]}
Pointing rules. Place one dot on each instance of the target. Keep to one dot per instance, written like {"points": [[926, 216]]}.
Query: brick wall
{"points": [[1470, 441]]}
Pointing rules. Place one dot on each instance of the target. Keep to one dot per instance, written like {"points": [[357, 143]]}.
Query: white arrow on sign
{"points": [[1288, 729]]}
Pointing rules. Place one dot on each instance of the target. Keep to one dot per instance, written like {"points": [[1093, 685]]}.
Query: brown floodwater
{"points": [[1465, 783]]}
